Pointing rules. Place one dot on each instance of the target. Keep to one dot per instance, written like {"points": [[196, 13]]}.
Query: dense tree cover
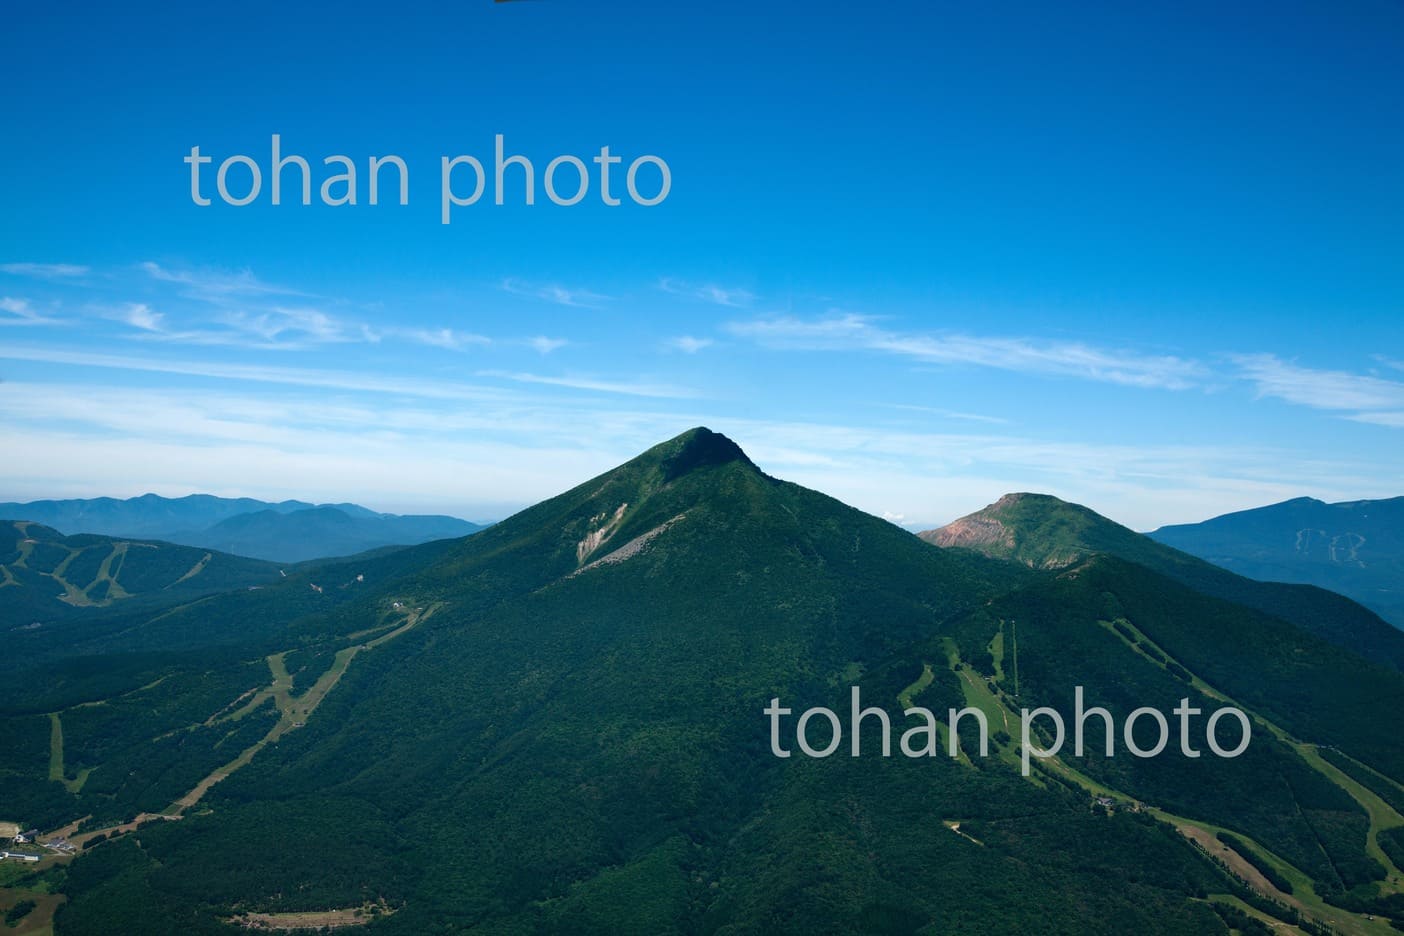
{"points": [[569, 746], [1268, 792], [19, 911], [1392, 841]]}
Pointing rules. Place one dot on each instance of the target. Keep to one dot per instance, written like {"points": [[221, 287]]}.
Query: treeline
{"points": [[1382, 787], [1250, 855]]}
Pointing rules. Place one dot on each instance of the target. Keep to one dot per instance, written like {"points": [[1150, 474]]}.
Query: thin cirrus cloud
{"points": [[270, 329], [850, 331], [950, 414], [1358, 397], [688, 344], [354, 381], [552, 292], [217, 284], [708, 292], [240, 310], [446, 338], [22, 312], [292, 322], [638, 388], [543, 345], [141, 316], [49, 271]]}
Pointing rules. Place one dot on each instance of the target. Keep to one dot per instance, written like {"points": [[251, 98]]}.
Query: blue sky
{"points": [[914, 254]]}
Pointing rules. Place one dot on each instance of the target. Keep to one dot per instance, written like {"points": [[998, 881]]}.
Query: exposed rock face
{"points": [[597, 537], [979, 531]]}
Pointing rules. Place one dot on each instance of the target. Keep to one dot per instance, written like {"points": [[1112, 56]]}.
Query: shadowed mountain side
{"points": [[1355, 548]]}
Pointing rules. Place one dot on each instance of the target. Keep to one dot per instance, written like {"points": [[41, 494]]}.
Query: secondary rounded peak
{"points": [[1009, 500]]}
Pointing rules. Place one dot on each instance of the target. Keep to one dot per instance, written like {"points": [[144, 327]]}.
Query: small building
{"points": [[19, 856], [24, 837]]}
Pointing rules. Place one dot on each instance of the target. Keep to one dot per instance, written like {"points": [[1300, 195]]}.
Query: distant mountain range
{"points": [[1355, 547], [288, 531]]}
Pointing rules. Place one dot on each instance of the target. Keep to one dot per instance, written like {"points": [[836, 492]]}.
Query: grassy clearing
{"points": [[56, 767], [195, 570], [55, 747], [315, 919], [72, 594], [107, 573], [1253, 912], [39, 921], [293, 711], [978, 695], [1304, 896], [1382, 815], [904, 698], [997, 653]]}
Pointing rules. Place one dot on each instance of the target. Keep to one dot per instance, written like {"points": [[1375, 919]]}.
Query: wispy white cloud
{"points": [[22, 312], [688, 344], [262, 374], [640, 388], [849, 331], [142, 316], [273, 329], [708, 292], [1393, 419], [951, 414], [45, 270], [215, 284], [202, 308], [560, 295], [1358, 397], [543, 345], [446, 338], [292, 322]]}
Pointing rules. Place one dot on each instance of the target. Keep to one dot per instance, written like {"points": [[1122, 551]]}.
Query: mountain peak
{"points": [[698, 448], [1039, 530]]}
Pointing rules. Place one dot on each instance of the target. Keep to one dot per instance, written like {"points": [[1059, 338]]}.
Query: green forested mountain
{"points": [[556, 725], [46, 576], [1041, 531], [1354, 547]]}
